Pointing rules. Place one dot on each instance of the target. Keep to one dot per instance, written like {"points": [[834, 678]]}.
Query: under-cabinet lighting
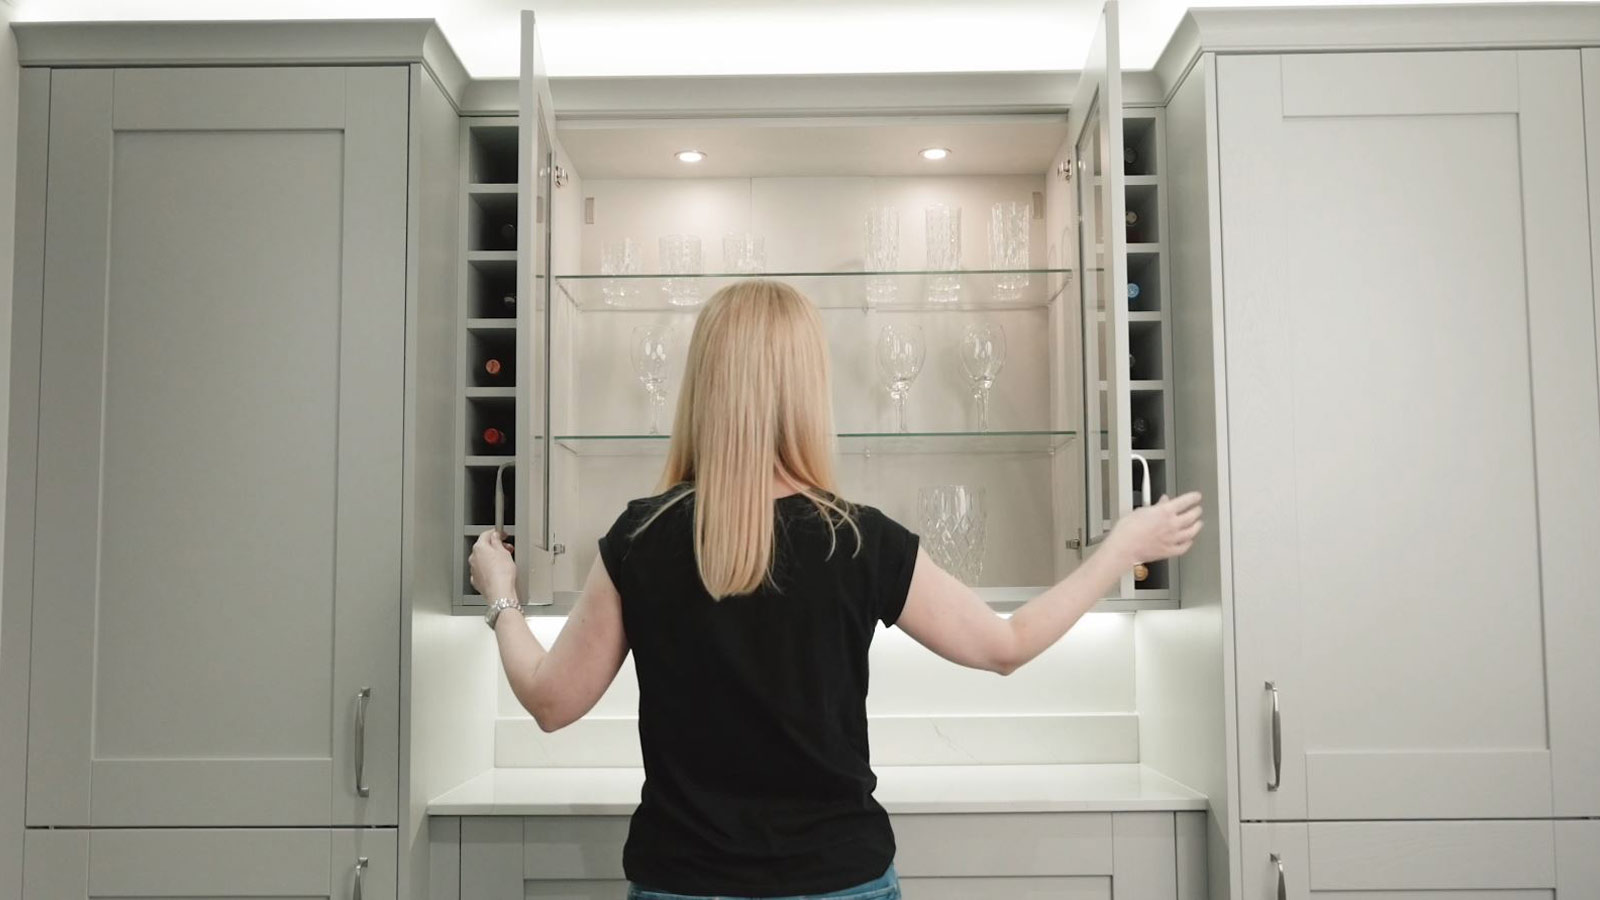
{"points": [[690, 156], [935, 153]]}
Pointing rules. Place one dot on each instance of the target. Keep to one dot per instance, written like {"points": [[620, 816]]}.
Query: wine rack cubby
{"points": [[491, 152], [487, 349], [491, 290]]}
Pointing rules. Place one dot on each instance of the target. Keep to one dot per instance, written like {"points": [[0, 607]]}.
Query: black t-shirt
{"points": [[752, 709]]}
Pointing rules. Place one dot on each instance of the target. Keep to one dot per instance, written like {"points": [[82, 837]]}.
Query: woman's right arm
{"points": [[948, 617]]}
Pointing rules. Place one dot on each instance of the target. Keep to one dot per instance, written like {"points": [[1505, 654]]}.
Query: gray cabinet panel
{"points": [[220, 439], [1401, 859], [1411, 378], [181, 862]]}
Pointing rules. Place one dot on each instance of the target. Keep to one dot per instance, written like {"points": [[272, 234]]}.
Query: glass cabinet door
{"points": [[533, 317], [1095, 128]]}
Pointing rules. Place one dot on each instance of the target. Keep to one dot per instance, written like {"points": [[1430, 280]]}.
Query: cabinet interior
{"points": [[805, 189]]}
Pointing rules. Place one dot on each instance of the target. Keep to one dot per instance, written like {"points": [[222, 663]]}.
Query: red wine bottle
{"points": [[1134, 231], [1141, 433], [494, 441]]}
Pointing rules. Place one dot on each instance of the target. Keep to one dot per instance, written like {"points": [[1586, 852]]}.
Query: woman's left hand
{"points": [[494, 572]]}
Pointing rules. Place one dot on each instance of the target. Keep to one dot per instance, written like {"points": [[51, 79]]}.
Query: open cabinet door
{"points": [[533, 444], [1094, 126]]}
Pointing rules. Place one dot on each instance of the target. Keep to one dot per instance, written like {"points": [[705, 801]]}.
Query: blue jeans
{"points": [[884, 887]]}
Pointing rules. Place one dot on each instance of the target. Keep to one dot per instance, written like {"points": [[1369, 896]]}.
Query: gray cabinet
{"points": [[1084, 856], [72, 864], [216, 602], [1509, 859], [1413, 429]]}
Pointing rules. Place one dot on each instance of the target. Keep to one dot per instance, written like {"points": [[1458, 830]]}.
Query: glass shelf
{"points": [[829, 290], [853, 443]]}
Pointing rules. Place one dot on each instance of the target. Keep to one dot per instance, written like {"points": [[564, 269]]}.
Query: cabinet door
{"points": [[535, 160], [71, 864], [217, 570], [1504, 860], [1413, 430], [1095, 128]]}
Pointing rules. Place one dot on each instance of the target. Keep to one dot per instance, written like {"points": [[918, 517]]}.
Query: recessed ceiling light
{"points": [[690, 156], [935, 153]]}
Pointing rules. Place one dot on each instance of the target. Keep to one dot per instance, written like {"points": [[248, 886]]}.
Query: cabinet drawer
{"points": [[220, 863], [1479, 856]]}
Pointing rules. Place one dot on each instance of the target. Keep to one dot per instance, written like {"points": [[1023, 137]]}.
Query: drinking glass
{"points": [[744, 253], [900, 352], [680, 255], [649, 354], [1008, 247], [944, 252], [983, 354], [619, 257], [953, 518], [883, 253]]}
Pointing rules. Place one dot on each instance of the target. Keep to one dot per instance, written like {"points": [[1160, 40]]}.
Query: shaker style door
{"points": [[536, 165], [1095, 128], [1413, 430], [1500, 860], [216, 598], [180, 862]]}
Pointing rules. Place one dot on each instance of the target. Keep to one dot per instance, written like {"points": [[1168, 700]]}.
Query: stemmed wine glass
{"points": [[900, 352], [983, 354], [649, 353]]}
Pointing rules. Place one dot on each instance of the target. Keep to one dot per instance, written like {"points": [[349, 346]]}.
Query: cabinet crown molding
{"points": [[1316, 29], [299, 42]]}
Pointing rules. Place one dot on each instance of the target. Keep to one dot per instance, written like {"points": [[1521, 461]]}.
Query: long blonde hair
{"points": [[755, 404]]}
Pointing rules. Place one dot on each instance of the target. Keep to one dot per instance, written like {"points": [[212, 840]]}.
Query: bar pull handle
{"points": [[362, 788], [361, 868], [1277, 742], [1283, 885]]}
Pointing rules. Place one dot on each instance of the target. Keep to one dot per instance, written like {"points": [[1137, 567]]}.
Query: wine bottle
{"points": [[508, 235], [1130, 160], [1133, 226], [494, 441], [510, 303], [1141, 572], [1133, 290], [1139, 430], [495, 371]]}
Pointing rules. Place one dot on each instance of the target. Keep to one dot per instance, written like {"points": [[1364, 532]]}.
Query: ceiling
{"points": [[747, 148], [725, 37]]}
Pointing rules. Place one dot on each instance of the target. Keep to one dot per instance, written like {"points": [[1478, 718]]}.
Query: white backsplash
{"points": [[1074, 704]]}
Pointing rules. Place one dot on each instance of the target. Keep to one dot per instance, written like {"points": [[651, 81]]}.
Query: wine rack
{"points": [[486, 382], [1149, 324]]}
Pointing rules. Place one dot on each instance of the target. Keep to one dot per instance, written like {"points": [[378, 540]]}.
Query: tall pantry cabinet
{"points": [[224, 483], [1403, 269]]}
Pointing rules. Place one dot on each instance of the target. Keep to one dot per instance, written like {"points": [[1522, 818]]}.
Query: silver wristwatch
{"points": [[498, 607]]}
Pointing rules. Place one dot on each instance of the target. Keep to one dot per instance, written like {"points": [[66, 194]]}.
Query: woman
{"points": [[748, 592]]}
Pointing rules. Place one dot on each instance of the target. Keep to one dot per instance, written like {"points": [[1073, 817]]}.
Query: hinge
{"points": [[1064, 170]]}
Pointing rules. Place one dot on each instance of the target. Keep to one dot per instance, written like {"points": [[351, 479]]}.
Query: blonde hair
{"points": [[755, 404]]}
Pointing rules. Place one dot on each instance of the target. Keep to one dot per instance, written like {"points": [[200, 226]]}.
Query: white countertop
{"points": [[901, 789]]}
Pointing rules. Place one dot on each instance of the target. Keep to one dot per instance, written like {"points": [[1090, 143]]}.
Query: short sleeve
{"points": [[614, 546], [897, 561]]}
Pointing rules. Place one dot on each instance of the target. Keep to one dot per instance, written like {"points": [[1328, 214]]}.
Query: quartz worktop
{"points": [[901, 789]]}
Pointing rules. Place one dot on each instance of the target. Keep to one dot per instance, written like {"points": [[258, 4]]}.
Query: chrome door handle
{"points": [[1277, 743], [362, 789], [361, 867], [1283, 886]]}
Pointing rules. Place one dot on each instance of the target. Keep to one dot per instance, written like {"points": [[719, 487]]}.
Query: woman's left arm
{"points": [[558, 687]]}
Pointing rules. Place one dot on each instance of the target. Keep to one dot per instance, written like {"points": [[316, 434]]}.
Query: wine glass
{"points": [[954, 517], [983, 354], [900, 352], [649, 353]]}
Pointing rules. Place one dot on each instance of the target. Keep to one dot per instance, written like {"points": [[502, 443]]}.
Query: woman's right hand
{"points": [[1164, 529]]}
